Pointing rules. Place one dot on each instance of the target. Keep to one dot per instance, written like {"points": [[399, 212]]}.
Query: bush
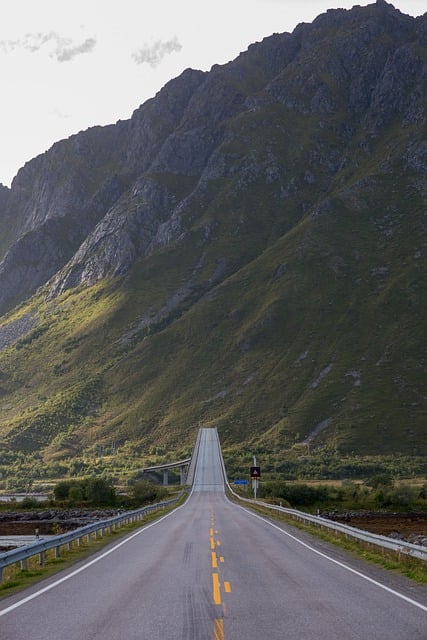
{"points": [[75, 493], [96, 491], [62, 490], [29, 503], [397, 498], [99, 491], [297, 495], [144, 491], [423, 492], [380, 480]]}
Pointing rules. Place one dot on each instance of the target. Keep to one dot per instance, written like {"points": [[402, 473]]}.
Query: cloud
{"points": [[63, 50], [65, 53], [154, 54]]}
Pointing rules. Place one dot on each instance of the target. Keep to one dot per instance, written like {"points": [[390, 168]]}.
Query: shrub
{"points": [[297, 495], [62, 490], [28, 503], [97, 491], [144, 491], [380, 480]]}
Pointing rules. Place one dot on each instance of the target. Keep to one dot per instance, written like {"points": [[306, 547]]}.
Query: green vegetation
{"points": [[328, 462], [346, 496], [95, 491], [288, 310]]}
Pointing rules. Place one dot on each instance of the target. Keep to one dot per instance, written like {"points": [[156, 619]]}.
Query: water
{"points": [[19, 497]]}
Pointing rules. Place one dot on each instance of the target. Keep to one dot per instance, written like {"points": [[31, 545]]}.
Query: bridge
{"points": [[182, 465]]}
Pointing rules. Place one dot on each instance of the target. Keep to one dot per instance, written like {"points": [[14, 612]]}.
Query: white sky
{"points": [[66, 66]]}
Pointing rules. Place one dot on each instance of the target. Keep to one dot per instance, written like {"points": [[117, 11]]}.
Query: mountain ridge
{"points": [[230, 253]]}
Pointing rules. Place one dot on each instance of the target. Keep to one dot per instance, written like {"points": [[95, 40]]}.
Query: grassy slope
{"points": [[315, 331], [322, 326]]}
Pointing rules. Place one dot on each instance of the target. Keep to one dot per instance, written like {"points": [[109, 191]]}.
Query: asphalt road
{"points": [[213, 570]]}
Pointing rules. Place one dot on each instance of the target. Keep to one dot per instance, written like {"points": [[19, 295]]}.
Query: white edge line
{"points": [[88, 564], [337, 562]]}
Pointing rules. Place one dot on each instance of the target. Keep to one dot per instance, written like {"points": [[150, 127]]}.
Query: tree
{"points": [[97, 491], [100, 491]]}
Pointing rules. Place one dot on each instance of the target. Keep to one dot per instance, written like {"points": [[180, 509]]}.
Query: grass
{"points": [[302, 290]]}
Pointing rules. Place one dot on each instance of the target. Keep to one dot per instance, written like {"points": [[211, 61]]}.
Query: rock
{"points": [[95, 204]]}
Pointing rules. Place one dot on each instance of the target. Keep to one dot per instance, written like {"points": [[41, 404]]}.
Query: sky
{"points": [[66, 66]]}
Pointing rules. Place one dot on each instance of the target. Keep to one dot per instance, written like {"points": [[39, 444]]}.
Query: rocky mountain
{"points": [[248, 250]]}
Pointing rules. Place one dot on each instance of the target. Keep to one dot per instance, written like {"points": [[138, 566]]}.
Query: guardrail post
{"points": [[57, 551], [41, 558], [24, 565]]}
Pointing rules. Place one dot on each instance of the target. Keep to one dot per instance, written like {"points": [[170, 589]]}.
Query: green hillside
{"points": [[259, 268], [302, 344]]}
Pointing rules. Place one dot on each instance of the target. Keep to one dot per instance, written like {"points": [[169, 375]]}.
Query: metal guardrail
{"points": [[56, 542], [398, 546]]}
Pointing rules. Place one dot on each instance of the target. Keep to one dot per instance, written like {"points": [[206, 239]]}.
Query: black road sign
{"points": [[255, 472]]}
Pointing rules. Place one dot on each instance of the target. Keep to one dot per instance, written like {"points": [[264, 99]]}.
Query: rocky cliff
{"points": [[308, 150], [96, 203]]}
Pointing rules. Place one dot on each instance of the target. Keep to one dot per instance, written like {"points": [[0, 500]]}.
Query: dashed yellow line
{"points": [[216, 589], [218, 630]]}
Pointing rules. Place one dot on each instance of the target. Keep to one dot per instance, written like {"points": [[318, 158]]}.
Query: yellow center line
{"points": [[216, 589], [218, 629]]}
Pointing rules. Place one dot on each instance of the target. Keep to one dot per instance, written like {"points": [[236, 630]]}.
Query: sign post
{"points": [[255, 475]]}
